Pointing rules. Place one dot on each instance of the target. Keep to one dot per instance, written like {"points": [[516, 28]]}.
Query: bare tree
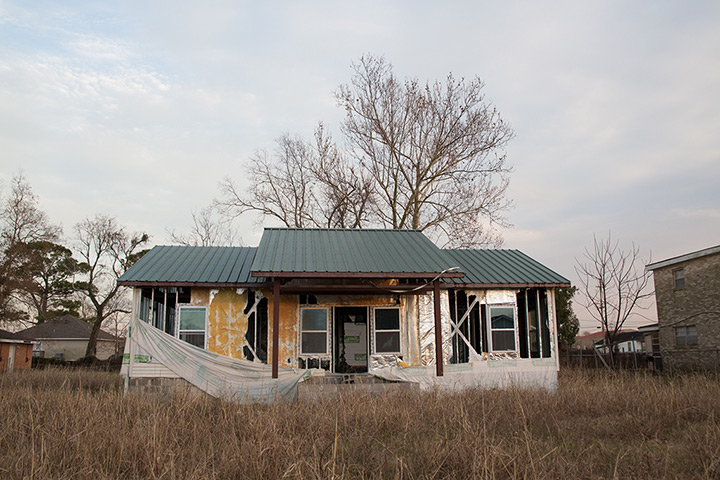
{"points": [[434, 152], [303, 184], [207, 230], [21, 222], [106, 252], [613, 282], [422, 157]]}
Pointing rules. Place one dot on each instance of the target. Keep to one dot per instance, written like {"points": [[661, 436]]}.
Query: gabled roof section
{"points": [[10, 337], [346, 253], [192, 266], [66, 327], [503, 268], [683, 258]]}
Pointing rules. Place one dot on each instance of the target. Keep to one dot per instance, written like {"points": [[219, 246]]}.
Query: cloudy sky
{"points": [[139, 109]]}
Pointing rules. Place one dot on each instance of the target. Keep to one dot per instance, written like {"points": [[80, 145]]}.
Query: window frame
{"points": [[179, 331], [685, 330], [327, 331], [491, 330], [375, 330]]}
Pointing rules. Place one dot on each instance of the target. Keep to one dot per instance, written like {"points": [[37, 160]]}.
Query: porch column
{"points": [[276, 326], [438, 330]]}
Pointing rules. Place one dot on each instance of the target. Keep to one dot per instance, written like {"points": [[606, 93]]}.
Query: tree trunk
{"points": [[92, 341]]}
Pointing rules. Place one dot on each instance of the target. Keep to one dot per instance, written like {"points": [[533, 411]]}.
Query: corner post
{"points": [[276, 326], [438, 329]]}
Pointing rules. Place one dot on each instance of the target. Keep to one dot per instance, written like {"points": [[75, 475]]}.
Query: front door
{"points": [[351, 340]]}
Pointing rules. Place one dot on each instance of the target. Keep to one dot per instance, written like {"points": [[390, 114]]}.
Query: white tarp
{"points": [[524, 373], [218, 375]]}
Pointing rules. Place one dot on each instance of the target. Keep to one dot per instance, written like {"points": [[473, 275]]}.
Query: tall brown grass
{"points": [[73, 424]]}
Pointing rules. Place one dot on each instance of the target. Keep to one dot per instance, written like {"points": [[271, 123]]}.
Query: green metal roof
{"points": [[340, 253], [180, 265], [370, 253], [485, 268]]}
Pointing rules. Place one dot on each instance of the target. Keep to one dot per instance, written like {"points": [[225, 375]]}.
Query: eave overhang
{"points": [[341, 275]]}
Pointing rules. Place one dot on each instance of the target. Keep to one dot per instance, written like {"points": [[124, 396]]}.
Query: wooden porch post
{"points": [[438, 330], [276, 326]]}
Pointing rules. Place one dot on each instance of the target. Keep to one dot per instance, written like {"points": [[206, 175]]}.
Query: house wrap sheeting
{"points": [[217, 375]]}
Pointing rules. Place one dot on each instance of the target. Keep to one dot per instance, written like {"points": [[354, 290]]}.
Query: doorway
{"points": [[350, 340]]}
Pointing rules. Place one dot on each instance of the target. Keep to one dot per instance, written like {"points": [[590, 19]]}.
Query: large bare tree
{"points": [[426, 157], [106, 251], [613, 282], [433, 150]]}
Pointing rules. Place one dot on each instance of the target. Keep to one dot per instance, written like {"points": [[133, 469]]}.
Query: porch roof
{"points": [[346, 253]]}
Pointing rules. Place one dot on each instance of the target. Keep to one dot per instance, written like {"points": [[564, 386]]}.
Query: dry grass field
{"points": [[74, 424]]}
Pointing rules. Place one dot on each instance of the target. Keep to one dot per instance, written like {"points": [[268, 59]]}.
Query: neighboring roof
{"points": [[341, 253], [652, 327], [66, 327], [625, 336], [683, 258], [591, 335], [192, 266], [503, 268], [9, 337]]}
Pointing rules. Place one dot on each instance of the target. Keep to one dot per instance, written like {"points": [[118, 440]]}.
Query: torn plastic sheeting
{"points": [[491, 374], [217, 375]]}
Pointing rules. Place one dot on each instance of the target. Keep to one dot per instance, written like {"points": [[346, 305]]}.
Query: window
{"points": [[679, 279], [387, 330], [191, 327], [314, 331], [502, 326], [686, 336]]}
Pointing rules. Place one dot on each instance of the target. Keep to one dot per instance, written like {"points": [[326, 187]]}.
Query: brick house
{"points": [[687, 292], [15, 352]]}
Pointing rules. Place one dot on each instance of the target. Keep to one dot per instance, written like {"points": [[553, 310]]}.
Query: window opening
{"points": [[678, 278], [532, 318], [183, 295], [158, 309], [686, 336], [307, 299], [466, 326], [387, 330], [145, 303], [170, 304], [502, 324], [544, 323], [523, 323], [314, 331], [191, 325], [256, 336]]}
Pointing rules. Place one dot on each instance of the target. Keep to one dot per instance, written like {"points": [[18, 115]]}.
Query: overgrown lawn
{"points": [[72, 424]]}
